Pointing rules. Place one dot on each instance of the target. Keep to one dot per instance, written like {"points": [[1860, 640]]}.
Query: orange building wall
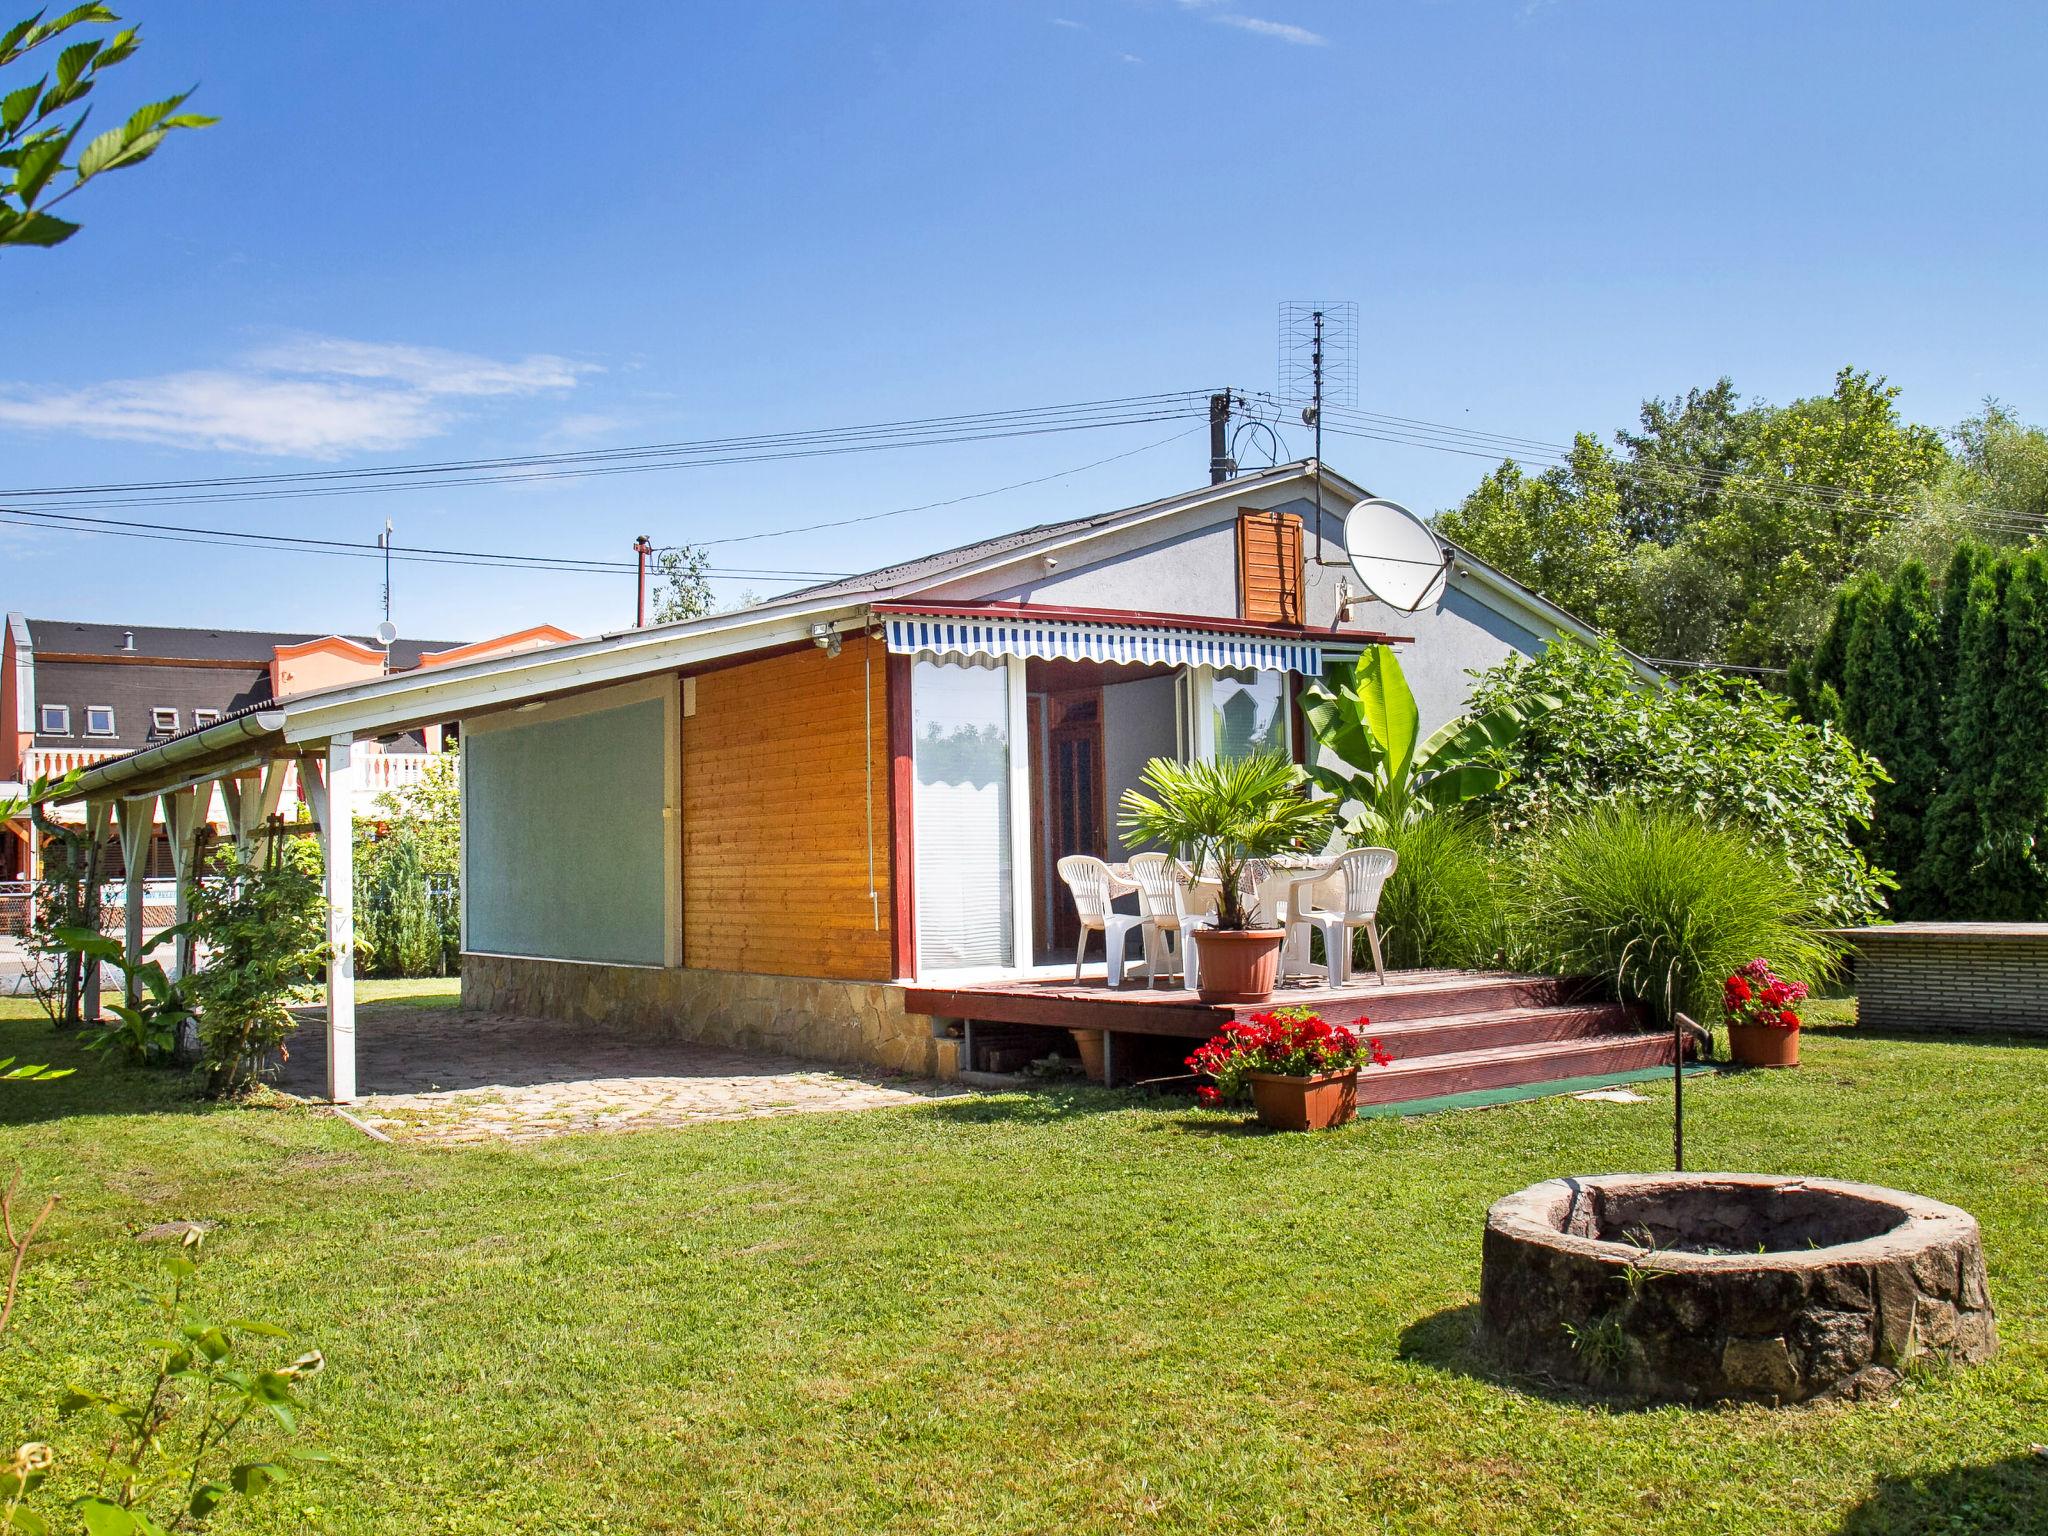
{"points": [[322, 664], [776, 820]]}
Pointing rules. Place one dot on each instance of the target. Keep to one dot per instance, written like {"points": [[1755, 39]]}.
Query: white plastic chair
{"points": [[1094, 886], [1163, 897], [1364, 872]]}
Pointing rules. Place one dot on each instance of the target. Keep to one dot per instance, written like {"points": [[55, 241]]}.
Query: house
{"points": [[74, 694], [761, 827]]}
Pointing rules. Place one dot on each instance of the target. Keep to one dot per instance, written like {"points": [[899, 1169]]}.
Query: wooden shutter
{"points": [[1269, 567]]}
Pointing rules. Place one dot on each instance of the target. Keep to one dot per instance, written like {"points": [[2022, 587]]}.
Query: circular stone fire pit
{"points": [[1717, 1287]]}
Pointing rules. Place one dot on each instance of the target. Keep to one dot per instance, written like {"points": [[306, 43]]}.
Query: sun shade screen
{"points": [[961, 752], [994, 635], [1269, 567], [562, 842]]}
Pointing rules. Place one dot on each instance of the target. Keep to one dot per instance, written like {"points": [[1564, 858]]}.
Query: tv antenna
{"points": [[387, 631], [1318, 368]]}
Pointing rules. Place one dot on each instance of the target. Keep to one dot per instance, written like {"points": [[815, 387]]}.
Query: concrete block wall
{"points": [[1988, 981]]}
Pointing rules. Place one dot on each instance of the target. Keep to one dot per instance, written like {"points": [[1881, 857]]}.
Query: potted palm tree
{"points": [[1223, 815]]}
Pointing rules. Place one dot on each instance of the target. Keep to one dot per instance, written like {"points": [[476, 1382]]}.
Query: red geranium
{"points": [[1756, 994], [1293, 1042]]}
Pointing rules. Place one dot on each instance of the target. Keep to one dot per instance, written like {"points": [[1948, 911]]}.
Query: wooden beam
{"points": [[902, 829]]}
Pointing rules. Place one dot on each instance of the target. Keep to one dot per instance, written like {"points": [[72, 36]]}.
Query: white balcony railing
{"points": [[381, 773]]}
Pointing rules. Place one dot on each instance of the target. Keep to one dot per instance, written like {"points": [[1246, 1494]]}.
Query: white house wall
{"points": [[1187, 563]]}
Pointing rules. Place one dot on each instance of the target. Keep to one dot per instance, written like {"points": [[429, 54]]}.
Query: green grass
{"points": [[1066, 1311]]}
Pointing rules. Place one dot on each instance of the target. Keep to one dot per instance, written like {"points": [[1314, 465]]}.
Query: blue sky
{"points": [[424, 232]]}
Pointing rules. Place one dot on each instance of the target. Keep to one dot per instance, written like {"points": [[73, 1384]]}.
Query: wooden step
{"points": [[1451, 1032], [1441, 996], [1509, 1066]]}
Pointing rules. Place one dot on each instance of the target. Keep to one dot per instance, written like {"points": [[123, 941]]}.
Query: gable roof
{"points": [[424, 694], [229, 647]]}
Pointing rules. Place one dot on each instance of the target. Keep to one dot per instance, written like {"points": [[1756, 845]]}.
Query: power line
{"points": [[951, 501], [934, 431], [305, 544]]}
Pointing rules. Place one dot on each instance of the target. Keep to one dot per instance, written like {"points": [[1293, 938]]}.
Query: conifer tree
{"points": [[2012, 806], [1952, 863]]}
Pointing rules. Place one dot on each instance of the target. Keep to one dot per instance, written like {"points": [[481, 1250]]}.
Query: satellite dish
{"points": [[1394, 553], [386, 633]]}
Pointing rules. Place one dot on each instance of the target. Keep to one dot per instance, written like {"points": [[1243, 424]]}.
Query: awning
{"points": [[1117, 644]]}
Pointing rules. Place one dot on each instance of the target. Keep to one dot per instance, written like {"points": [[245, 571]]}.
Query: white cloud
{"points": [[430, 370], [307, 397], [1074, 26], [1286, 32]]}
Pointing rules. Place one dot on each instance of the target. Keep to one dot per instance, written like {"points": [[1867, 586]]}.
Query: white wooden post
{"points": [[137, 819], [337, 838], [1021, 942], [97, 814], [184, 811], [1201, 743]]}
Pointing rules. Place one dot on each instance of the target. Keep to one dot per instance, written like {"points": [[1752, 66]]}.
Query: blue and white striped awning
{"points": [[1134, 644]]}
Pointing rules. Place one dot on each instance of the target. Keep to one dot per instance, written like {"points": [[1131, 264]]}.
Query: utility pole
{"points": [[384, 543], [642, 548], [1220, 467]]}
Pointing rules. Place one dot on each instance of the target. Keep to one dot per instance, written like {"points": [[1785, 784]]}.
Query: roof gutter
{"points": [[130, 775]]}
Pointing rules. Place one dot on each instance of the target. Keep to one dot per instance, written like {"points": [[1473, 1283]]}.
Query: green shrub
{"points": [[263, 928], [1448, 901], [1661, 904], [1727, 752], [399, 932]]}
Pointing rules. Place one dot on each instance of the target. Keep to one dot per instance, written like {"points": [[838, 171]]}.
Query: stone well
{"points": [[1719, 1287]]}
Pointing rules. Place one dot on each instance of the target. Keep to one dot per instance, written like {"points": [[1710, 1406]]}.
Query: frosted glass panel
{"points": [[961, 753], [1251, 715]]}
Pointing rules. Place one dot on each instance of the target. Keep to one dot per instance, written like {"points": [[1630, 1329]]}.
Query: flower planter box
{"points": [[1239, 966], [1758, 1045], [1304, 1103]]}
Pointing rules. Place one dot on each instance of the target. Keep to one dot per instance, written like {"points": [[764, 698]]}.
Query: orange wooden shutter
{"points": [[1269, 567]]}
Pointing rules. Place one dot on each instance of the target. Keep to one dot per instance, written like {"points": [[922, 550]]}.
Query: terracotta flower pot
{"points": [[1239, 966], [1090, 1043], [1758, 1045], [1304, 1103]]}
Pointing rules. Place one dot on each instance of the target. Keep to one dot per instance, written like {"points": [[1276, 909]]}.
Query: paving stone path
{"points": [[443, 1075]]}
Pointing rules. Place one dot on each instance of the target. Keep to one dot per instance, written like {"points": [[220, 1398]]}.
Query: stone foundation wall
{"points": [[856, 1023]]}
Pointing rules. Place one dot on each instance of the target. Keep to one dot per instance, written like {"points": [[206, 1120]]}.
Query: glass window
{"points": [[56, 720], [99, 719], [163, 720], [205, 717], [960, 727], [1251, 714]]}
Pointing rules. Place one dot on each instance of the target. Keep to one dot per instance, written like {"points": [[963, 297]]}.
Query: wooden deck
{"points": [[1448, 1031]]}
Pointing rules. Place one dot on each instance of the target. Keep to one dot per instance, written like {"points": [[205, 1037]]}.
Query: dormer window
{"points": [[205, 717], [55, 720], [99, 719], [164, 722]]}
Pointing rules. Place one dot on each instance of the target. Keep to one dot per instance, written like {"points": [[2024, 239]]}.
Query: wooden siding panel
{"points": [[776, 816], [1269, 570]]}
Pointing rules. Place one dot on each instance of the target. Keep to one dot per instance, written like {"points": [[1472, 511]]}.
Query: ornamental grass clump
{"points": [[1663, 905], [1450, 902], [1289, 1042]]}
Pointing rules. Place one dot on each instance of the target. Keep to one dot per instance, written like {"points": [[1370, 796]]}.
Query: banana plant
{"points": [[1388, 775]]}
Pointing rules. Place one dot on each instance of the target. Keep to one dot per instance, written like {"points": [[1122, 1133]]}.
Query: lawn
{"points": [[1064, 1311]]}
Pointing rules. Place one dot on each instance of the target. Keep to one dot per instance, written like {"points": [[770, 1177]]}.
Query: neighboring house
{"points": [[75, 694], [755, 826]]}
